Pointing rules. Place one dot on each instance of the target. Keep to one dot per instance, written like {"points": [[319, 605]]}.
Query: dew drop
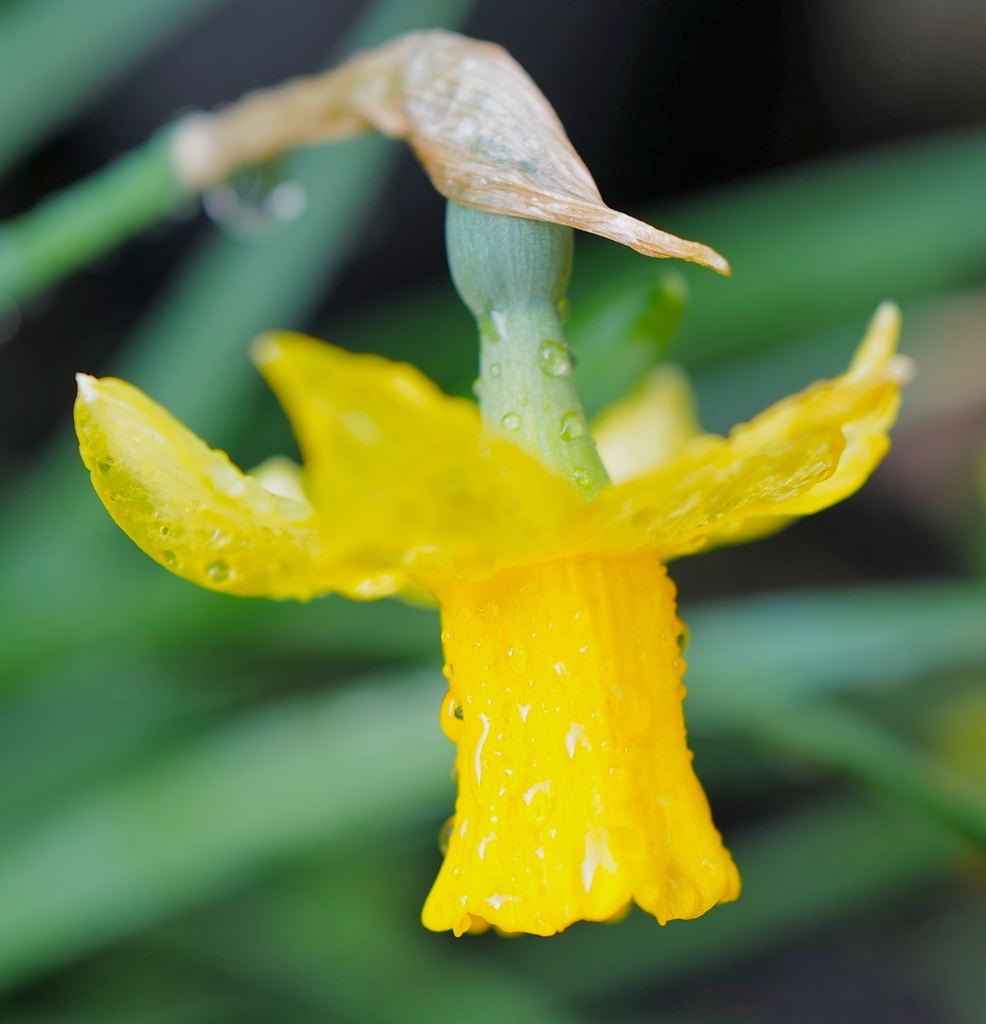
{"points": [[553, 358], [571, 426], [477, 387], [487, 329], [170, 557], [581, 477], [217, 570], [683, 638], [495, 370], [445, 835], [511, 421], [458, 712]]}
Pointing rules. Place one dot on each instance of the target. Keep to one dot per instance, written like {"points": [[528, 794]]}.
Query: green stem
{"points": [[512, 274], [75, 226]]}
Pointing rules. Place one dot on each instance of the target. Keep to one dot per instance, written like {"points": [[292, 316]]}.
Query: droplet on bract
{"points": [[581, 477], [445, 835], [571, 426], [553, 358], [511, 421], [495, 370]]}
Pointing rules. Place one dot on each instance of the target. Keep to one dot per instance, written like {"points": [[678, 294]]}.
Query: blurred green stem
{"points": [[74, 227]]}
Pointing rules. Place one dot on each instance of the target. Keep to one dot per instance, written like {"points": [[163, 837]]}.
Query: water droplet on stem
{"points": [[553, 358], [571, 426]]}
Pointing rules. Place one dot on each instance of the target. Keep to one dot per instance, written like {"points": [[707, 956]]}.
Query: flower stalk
{"points": [[512, 274]]}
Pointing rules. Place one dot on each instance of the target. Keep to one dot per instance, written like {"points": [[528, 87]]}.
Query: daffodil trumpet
{"points": [[543, 540]]}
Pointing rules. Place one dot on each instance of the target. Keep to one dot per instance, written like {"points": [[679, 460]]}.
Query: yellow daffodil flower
{"points": [[545, 553], [576, 789]]}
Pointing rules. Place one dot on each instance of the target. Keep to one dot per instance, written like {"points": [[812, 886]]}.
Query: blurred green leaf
{"points": [[97, 718], [210, 816], [337, 938], [621, 333], [791, 648], [845, 741], [56, 55]]}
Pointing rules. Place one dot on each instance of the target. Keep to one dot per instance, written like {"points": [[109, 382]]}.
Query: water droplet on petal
{"points": [[553, 358], [495, 370], [683, 637], [477, 387], [445, 835], [581, 477], [511, 421], [217, 570], [571, 426]]}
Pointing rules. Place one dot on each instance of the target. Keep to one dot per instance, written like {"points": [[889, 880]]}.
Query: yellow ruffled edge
{"points": [[402, 484], [804, 453], [409, 488]]}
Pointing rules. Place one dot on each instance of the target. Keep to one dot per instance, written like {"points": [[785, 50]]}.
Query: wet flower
{"points": [[563, 648]]}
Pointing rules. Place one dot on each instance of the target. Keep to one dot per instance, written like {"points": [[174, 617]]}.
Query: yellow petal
{"points": [[803, 454], [188, 506], [576, 788], [406, 474], [483, 130], [643, 430]]}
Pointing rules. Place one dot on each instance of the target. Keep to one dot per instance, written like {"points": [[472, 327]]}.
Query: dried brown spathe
{"points": [[484, 132]]}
